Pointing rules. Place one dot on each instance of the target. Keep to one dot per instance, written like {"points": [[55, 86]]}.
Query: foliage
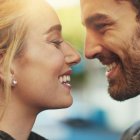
{"points": [[73, 30]]}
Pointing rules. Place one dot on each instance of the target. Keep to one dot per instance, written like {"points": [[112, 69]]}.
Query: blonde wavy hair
{"points": [[13, 30]]}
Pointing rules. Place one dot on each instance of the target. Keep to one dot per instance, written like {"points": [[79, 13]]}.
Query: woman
{"points": [[35, 66]]}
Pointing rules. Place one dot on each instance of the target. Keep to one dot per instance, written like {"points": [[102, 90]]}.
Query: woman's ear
{"points": [[12, 75], [1, 78], [1, 69]]}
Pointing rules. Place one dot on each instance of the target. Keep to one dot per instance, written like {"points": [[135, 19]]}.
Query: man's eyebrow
{"points": [[97, 18], [57, 27]]}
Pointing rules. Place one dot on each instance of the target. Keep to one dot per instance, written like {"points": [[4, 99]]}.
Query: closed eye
{"points": [[57, 43], [100, 26]]}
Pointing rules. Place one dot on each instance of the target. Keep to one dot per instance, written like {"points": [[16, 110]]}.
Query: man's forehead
{"points": [[101, 1], [96, 9]]}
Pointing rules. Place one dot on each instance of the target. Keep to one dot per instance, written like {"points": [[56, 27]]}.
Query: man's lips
{"points": [[111, 70], [111, 62]]}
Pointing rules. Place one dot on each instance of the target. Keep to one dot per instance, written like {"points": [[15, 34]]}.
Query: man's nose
{"points": [[93, 46]]}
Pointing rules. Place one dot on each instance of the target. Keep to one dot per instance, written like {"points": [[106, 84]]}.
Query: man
{"points": [[113, 37]]}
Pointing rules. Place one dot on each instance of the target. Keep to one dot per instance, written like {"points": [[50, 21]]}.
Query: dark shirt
{"points": [[33, 136], [132, 133]]}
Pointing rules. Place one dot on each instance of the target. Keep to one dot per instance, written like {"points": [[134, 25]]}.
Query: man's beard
{"points": [[127, 84]]}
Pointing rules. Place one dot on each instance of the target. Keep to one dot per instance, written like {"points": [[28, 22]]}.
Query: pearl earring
{"points": [[14, 82]]}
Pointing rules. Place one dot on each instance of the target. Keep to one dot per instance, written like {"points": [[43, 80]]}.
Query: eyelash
{"points": [[56, 43], [103, 27], [100, 26]]}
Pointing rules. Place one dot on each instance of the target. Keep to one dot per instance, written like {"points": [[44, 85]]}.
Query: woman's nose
{"points": [[72, 57]]}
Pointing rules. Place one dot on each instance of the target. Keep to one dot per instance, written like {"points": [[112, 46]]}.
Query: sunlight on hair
{"points": [[63, 3]]}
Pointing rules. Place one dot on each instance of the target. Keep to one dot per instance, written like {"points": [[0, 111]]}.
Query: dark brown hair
{"points": [[136, 4]]}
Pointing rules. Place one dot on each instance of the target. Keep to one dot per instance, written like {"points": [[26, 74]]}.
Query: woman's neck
{"points": [[18, 121]]}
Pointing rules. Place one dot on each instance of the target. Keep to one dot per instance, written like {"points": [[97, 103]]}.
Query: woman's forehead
{"points": [[41, 17]]}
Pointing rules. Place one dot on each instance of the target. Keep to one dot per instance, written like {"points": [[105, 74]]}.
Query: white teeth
{"points": [[111, 66], [64, 79], [68, 78]]}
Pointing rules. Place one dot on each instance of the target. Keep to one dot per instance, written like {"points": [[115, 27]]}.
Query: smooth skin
{"points": [[44, 58]]}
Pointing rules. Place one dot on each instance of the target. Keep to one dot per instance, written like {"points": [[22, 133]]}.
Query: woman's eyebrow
{"points": [[57, 27]]}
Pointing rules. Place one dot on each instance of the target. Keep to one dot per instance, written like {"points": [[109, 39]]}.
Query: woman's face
{"points": [[43, 69]]}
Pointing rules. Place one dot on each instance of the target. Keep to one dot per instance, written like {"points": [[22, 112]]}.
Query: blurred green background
{"points": [[73, 31]]}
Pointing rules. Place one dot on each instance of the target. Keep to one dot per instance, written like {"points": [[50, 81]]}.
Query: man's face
{"points": [[112, 36]]}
